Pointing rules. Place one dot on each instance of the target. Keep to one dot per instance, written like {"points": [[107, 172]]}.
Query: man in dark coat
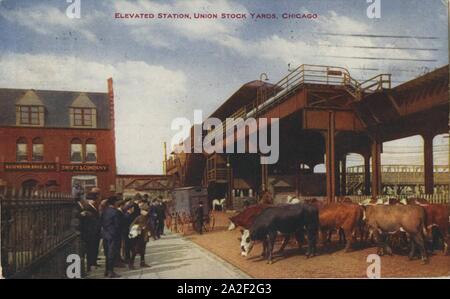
{"points": [[161, 210], [92, 220], [119, 260], [131, 211], [81, 225], [110, 221], [153, 219], [199, 217]]}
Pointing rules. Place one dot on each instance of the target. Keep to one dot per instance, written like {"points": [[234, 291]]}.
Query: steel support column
{"points": [[264, 177], [376, 168], [343, 188], [428, 163], [367, 174], [330, 159]]}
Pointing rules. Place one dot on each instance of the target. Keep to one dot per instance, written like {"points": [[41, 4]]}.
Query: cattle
{"points": [[218, 204], [389, 219], [437, 221], [437, 218], [345, 218], [246, 217], [287, 220]]}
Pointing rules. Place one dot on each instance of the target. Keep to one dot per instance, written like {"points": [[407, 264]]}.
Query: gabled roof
{"points": [[83, 101], [57, 105], [30, 98]]}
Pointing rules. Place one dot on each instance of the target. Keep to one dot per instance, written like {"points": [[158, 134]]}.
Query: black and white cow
{"points": [[286, 220]]}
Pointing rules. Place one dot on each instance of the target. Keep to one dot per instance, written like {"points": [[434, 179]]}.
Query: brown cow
{"points": [[246, 217], [437, 217], [388, 219], [341, 217]]}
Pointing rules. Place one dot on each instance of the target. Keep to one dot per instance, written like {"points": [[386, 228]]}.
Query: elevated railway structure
{"points": [[324, 114]]}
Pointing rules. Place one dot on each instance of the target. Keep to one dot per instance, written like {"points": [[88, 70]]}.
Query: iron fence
{"points": [[33, 226]]}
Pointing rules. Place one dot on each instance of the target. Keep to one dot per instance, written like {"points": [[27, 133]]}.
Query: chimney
{"points": [[111, 120], [111, 102]]}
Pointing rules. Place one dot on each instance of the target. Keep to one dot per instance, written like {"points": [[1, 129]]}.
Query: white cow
{"points": [[218, 203]]}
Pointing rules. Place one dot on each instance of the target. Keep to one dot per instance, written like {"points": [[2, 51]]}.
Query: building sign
{"points": [[10, 166], [84, 167]]}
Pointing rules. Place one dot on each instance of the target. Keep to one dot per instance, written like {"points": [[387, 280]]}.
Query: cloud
{"points": [[49, 20], [308, 48], [145, 98], [318, 48], [161, 32]]}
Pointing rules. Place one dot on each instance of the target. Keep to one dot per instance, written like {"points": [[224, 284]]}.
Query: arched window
{"points": [[38, 150], [91, 151], [21, 150], [76, 150]]}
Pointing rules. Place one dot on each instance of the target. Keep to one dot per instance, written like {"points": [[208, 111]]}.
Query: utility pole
{"points": [[165, 159]]}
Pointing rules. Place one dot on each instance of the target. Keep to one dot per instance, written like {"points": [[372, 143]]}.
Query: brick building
{"points": [[54, 140]]}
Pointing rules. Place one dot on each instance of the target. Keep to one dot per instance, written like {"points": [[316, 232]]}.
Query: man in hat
{"points": [[123, 236], [199, 217], [110, 220], [92, 219], [139, 236], [153, 219]]}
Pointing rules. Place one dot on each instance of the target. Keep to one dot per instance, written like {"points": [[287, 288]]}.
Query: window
{"points": [[91, 151], [30, 110], [38, 150], [21, 150], [76, 150], [30, 115], [83, 117]]}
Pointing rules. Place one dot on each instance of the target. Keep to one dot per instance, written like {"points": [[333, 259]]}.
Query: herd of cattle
{"points": [[413, 223]]}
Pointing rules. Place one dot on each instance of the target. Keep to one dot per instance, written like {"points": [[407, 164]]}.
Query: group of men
{"points": [[110, 220]]}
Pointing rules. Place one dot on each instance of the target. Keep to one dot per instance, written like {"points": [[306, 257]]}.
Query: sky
{"points": [[166, 68]]}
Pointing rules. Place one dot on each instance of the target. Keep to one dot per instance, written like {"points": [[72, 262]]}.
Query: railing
{"points": [[305, 74], [431, 198], [33, 226], [400, 168]]}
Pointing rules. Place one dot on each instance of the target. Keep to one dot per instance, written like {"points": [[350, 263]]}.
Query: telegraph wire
{"points": [[379, 35], [379, 47]]}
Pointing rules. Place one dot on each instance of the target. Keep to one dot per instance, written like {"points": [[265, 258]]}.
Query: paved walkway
{"points": [[175, 257]]}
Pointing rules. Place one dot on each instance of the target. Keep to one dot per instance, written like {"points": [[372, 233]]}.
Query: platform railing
{"points": [[267, 96]]}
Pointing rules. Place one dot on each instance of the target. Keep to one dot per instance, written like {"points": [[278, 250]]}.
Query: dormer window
{"points": [[29, 115], [83, 117], [30, 110], [83, 113]]}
